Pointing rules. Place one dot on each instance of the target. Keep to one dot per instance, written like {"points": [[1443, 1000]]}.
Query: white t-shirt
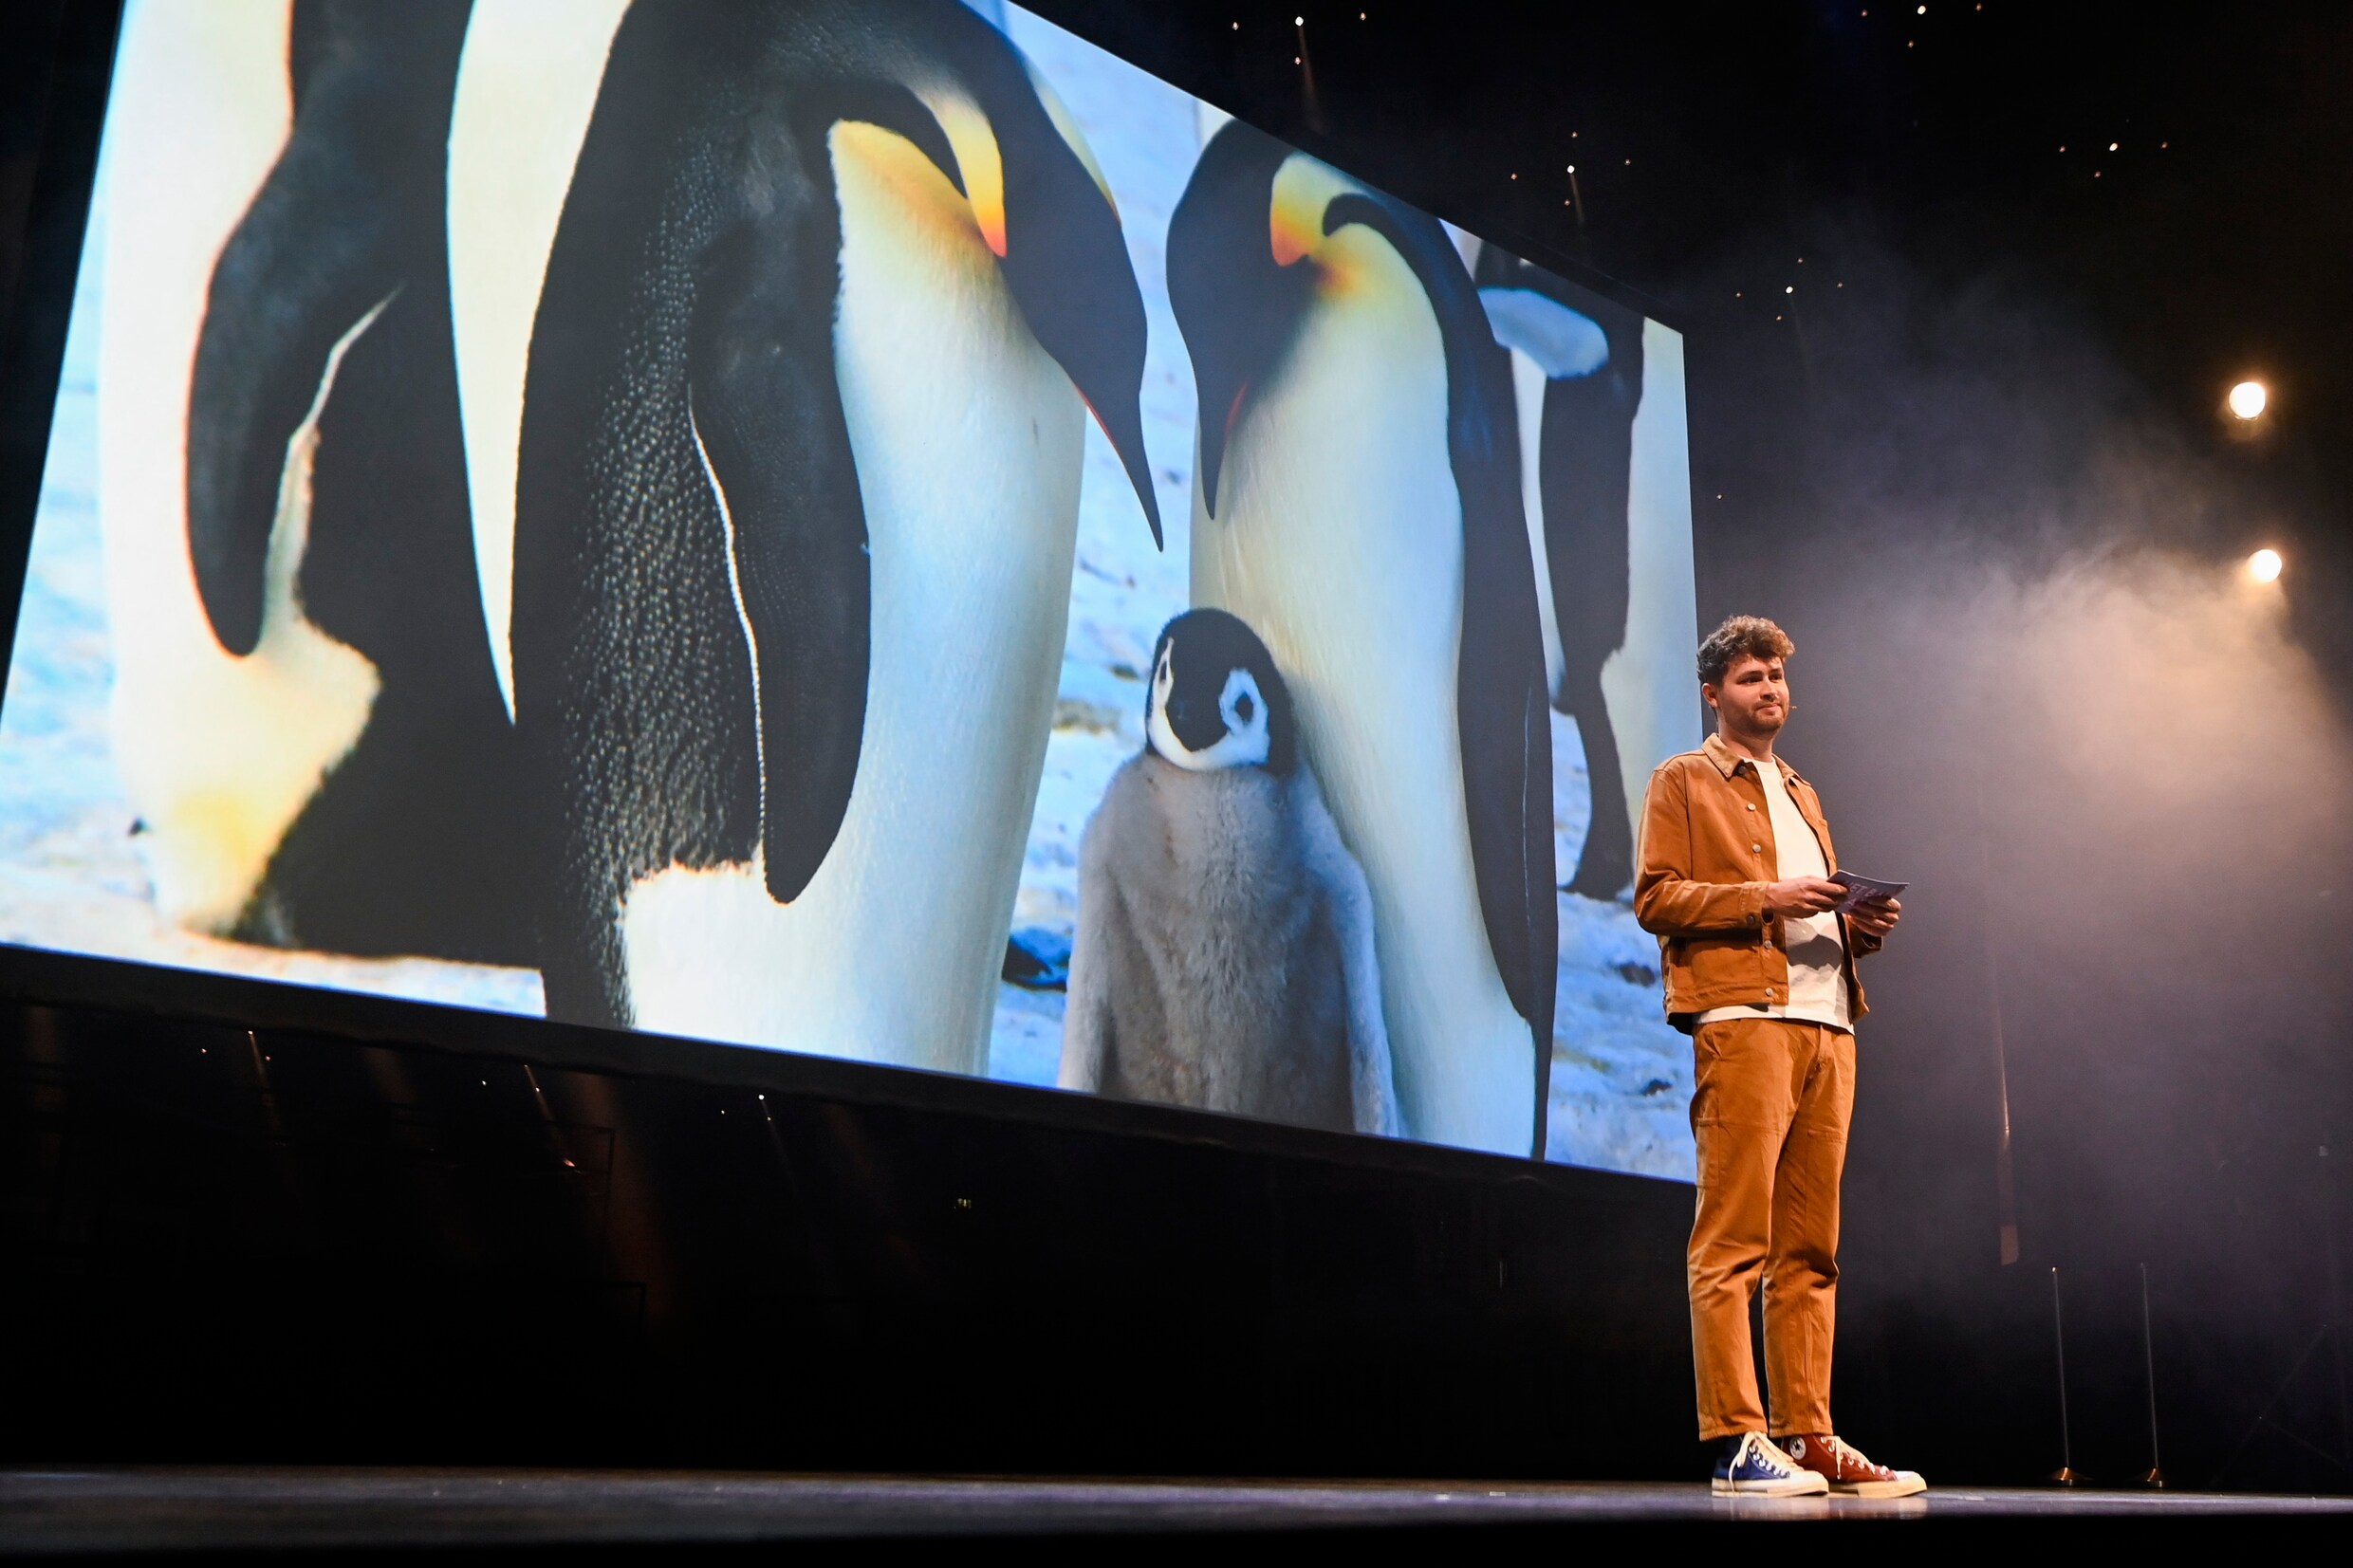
{"points": [[1817, 972]]}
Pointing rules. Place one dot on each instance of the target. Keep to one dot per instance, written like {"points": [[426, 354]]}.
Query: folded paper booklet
{"points": [[1860, 889]]}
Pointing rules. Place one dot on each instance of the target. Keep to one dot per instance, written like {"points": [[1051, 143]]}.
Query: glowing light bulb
{"points": [[2263, 565], [2247, 399]]}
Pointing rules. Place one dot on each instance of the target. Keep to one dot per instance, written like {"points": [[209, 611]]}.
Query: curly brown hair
{"points": [[1751, 637]]}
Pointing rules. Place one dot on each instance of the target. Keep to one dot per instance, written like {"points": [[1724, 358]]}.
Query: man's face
{"points": [[1754, 697]]}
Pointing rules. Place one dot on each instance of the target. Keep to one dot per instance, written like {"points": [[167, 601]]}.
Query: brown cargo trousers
{"points": [[1769, 1111]]}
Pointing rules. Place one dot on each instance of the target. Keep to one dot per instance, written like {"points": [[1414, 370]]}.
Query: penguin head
{"points": [[1265, 235], [1217, 700]]}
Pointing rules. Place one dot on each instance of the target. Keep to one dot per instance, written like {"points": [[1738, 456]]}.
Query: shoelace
{"points": [[1841, 1451]]}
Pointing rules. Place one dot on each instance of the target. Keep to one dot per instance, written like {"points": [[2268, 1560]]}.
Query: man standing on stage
{"points": [[1734, 879]]}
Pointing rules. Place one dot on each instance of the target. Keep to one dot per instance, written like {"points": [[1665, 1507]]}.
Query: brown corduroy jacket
{"points": [[1705, 860]]}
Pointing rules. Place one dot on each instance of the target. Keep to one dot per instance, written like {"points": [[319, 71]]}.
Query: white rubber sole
{"points": [[1905, 1483], [1807, 1484]]}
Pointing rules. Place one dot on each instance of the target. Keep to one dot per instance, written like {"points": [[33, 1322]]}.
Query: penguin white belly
{"points": [[526, 88], [968, 440], [1339, 540], [218, 754]]}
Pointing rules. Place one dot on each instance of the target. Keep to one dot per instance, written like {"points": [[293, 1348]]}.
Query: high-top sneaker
{"points": [[1849, 1470], [1752, 1466]]}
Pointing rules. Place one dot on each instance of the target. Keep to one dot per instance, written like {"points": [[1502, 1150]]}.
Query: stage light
{"points": [[2263, 565], [2247, 399]]}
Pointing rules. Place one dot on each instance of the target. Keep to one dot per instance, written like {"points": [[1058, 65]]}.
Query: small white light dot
{"points": [[2247, 399], [1790, 288], [2111, 146], [1299, 21], [1572, 168], [1923, 10], [2263, 565]]}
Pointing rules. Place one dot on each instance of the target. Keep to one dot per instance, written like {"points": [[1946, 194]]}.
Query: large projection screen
{"points": [[677, 520]]}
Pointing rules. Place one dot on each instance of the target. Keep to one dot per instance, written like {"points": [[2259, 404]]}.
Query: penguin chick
{"points": [[1224, 956]]}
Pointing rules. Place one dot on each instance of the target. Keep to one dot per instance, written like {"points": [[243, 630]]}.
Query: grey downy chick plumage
{"points": [[1224, 956]]}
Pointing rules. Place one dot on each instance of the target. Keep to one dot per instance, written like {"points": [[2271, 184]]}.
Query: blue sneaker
{"points": [[1754, 1467]]}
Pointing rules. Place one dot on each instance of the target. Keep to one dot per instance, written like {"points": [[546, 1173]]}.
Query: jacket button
{"points": [[1759, 848], [1751, 808]]}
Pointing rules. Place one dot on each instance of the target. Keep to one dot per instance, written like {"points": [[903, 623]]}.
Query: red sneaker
{"points": [[1849, 1470]]}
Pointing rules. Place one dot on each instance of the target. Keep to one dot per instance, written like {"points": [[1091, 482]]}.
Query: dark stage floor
{"points": [[145, 1510]]}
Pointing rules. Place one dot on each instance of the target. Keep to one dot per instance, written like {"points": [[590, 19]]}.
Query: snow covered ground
{"points": [[68, 879]]}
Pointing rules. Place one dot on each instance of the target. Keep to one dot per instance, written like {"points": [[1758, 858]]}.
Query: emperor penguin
{"points": [[1224, 956], [1577, 382], [304, 714], [1356, 501], [834, 287]]}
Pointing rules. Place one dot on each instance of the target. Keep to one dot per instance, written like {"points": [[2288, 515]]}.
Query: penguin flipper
{"points": [[327, 240], [1504, 714], [1372, 1076], [766, 413], [305, 271]]}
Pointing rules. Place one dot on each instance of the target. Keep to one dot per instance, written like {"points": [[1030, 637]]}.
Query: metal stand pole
{"points": [[2156, 1476], [2064, 1475]]}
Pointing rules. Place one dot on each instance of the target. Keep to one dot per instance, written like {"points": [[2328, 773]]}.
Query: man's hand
{"points": [[1876, 917], [1803, 896]]}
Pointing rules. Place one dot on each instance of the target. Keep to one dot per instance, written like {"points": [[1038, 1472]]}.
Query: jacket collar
{"points": [[1728, 762]]}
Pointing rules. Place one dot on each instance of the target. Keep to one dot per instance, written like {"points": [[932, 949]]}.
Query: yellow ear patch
{"points": [[899, 166], [1304, 187], [978, 161]]}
